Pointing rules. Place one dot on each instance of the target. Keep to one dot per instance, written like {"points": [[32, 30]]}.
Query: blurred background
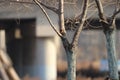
{"points": [[37, 52]]}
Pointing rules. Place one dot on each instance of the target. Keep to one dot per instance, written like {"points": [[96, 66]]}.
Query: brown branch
{"points": [[49, 7], [116, 12], [100, 10], [61, 17], [48, 18], [83, 17], [89, 6], [117, 6]]}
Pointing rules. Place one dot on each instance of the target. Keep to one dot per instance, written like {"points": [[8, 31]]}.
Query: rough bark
{"points": [[112, 60], [71, 59], [109, 31]]}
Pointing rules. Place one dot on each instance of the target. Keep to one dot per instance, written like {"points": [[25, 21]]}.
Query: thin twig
{"points": [[79, 15], [117, 6], [49, 7], [30, 2], [48, 18], [116, 12], [83, 17], [26, 2]]}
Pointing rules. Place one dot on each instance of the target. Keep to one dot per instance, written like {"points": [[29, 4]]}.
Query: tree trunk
{"points": [[112, 60], [71, 58]]}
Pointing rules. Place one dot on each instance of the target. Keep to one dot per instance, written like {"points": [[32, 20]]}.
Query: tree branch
{"points": [[61, 17], [101, 12], [83, 17], [30, 2], [48, 18], [117, 6], [117, 11], [49, 7]]}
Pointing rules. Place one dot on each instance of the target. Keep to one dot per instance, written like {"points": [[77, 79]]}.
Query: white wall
{"points": [[41, 59]]}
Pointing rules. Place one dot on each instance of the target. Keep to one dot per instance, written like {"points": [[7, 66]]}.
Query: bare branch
{"points": [[100, 10], [48, 18], [61, 17], [114, 16], [24, 2], [117, 11], [83, 17], [117, 6], [30, 2], [51, 8], [90, 5]]}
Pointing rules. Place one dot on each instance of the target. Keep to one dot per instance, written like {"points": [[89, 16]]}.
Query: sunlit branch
{"points": [[116, 12], [100, 10], [61, 17], [48, 18], [83, 17], [90, 5]]}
